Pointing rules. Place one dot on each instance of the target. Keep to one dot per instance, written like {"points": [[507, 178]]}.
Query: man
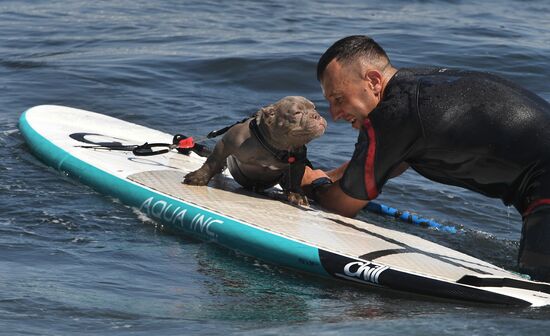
{"points": [[462, 128]]}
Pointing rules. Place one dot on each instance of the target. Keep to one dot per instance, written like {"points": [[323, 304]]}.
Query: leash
{"points": [[408, 217], [182, 143]]}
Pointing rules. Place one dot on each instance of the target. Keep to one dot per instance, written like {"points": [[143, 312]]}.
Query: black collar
{"points": [[281, 155]]}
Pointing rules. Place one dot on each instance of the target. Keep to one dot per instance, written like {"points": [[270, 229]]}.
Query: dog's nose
{"points": [[315, 116]]}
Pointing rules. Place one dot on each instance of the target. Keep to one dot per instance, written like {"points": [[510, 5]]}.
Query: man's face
{"points": [[349, 93]]}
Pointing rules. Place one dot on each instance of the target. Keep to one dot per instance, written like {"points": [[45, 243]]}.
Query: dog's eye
{"points": [[298, 112]]}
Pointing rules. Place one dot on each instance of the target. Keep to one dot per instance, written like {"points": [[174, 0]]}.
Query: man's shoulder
{"points": [[450, 79], [416, 73]]}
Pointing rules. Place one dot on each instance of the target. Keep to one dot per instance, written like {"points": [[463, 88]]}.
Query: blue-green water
{"points": [[73, 261]]}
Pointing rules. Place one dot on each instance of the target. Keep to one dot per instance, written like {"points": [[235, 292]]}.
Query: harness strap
{"points": [[219, 132], [285, 156]]}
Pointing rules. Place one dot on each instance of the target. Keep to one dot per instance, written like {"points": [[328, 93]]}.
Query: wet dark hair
{"points": [[350, 48]]}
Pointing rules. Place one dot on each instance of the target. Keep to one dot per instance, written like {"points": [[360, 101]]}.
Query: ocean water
{"points": [[73, 261]]}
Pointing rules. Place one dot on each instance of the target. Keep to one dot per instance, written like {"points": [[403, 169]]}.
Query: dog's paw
{"points": [[199, 178], [297, 199]]}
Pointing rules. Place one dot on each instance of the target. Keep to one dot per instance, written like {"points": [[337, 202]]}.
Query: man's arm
{"points": [[331, 196], [337, 173]]}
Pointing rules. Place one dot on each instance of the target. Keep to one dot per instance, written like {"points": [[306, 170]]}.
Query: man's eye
{"points": [[338, 100]]}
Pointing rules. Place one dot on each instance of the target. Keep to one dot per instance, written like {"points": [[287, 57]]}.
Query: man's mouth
{"points": [[351, 119]]}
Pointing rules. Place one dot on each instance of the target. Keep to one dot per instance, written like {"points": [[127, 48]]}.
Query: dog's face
{"points": [[292, 122]]}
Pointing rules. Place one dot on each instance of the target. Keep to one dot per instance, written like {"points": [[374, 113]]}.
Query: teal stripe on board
{"points": [[175, 214]]}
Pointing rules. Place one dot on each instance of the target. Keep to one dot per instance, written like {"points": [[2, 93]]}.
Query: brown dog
{"points": [[267, 149]]}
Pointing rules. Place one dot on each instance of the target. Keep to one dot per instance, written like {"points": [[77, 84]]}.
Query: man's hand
{"points": [[311, 175]]}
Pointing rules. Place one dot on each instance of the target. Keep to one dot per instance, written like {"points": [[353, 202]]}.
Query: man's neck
{"points": [[387, 75]]}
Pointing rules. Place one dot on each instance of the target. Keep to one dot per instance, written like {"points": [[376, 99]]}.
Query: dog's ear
{"points": [[267, 114]]}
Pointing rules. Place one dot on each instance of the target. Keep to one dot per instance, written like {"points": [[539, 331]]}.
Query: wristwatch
{"points": [[318, 183]]}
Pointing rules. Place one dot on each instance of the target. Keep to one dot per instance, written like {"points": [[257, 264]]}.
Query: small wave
{"points": [[147, 220], [274, 73], [11, 138], [9, 132], [22, 64]]}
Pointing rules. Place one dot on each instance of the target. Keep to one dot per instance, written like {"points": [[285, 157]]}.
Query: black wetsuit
{"points": [[468, 129]]}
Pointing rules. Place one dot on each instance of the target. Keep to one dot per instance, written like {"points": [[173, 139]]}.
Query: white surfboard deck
{"points": [[307, 239]]}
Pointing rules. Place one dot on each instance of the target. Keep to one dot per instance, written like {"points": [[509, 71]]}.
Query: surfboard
{"points": [[305, 239]]}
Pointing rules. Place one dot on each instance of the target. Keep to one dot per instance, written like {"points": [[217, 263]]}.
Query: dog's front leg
{"points": [[214, 165], [291, 184]]}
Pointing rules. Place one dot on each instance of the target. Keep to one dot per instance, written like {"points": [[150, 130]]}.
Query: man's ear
{"points": [[374, 81], [267, 114]]}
